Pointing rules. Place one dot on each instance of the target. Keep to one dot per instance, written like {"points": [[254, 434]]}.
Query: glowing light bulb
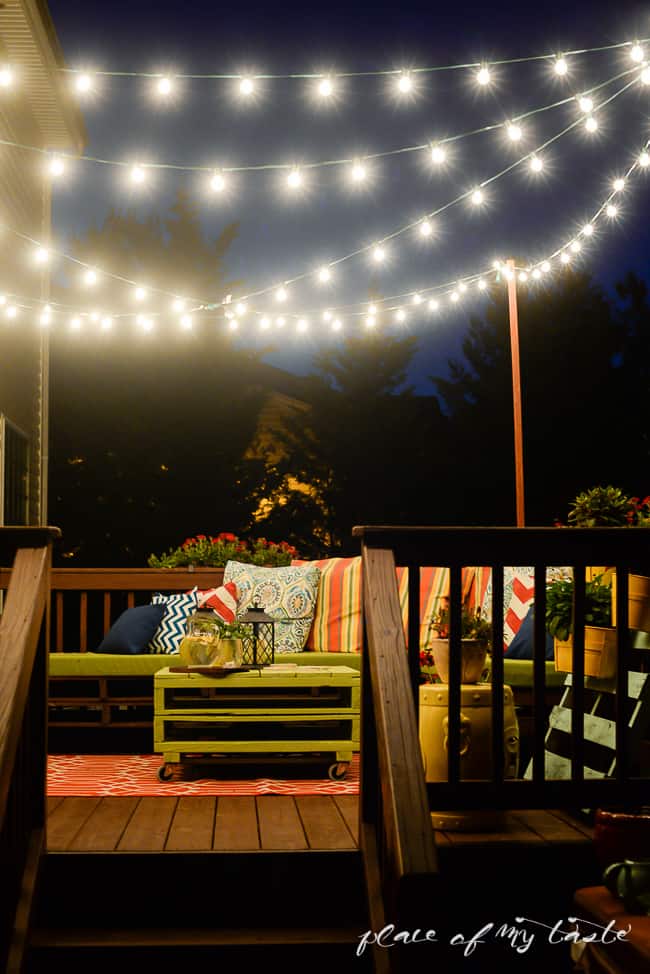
{"points": [[327, 315], [536, 164], [372, 309], [90, 277], [575, 246], [588, 230], [496, 264], [586, 103], [591, 124], [508, 274], [425, 229], [186, 322], [324, 275], [294, 179], [400, 316], [240, 308], [379, 254], [637, 54], [83, 83], [618, 185], [12, 311], [560, 66], [438, 154], [545, 267], [477, 197], [265, 323], [565, 258], [140, 293], [75, 323], [94, 316], [644, 159], [41, 255], [178, 304], [611, 211], [358, 173], [147, 325], [217, 183], [537, 273], [645, 76], [337, 324], [137, 175], [454, 297], [481, 284], [325, 88], [164, 86], [302, 325], [514, 132], [56, 166], [371, 321], [281, 294], [3, 299], [433, 305], [233, 324], [6, 77], [405, 83], [416, 299], [107, 323], [280, 322], [45, 319], [246, 86], [483, 76], [462, 287]]}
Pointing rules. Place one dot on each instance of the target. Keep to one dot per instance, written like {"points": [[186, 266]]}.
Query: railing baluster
{"points": [[578, 679], [622, 671], [414, 612], [539, 675], [497, 674], [455, 660]]}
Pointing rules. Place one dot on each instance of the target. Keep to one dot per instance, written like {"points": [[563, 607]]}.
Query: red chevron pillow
{"points": [[222, 600]]}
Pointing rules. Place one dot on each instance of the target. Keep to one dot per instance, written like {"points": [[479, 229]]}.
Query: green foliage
{"points": [[599, 507], [205, 550], [472, 624], [559, 606]]}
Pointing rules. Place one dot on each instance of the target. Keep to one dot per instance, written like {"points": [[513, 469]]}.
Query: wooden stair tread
{"points": [[189, 936]]}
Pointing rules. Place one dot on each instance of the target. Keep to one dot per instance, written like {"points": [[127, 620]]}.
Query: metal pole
{"points": [[516, 391], [44, 364]]}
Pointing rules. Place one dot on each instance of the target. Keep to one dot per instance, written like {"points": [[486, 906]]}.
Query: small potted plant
{"points": [[612, 507], [476, 633], [600, 635]]}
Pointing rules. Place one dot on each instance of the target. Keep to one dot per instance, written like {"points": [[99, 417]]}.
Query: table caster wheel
{"points": [[338, 770], [165, 773]]}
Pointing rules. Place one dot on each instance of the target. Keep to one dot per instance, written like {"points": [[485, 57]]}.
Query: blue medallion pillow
{"points": [[170, 632], [288, 594], [132, 630], [521, 646]]}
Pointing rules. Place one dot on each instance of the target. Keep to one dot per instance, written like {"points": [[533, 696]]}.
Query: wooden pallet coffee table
{"points": [[270, 712]]}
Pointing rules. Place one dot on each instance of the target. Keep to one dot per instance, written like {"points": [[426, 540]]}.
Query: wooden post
{"points": [[516, 391]]}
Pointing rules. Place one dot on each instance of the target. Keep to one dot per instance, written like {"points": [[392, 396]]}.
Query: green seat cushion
{"points": [[109, 664], [321, 659], [519, 673]]}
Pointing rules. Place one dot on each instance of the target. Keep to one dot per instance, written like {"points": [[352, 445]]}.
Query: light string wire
{"points": [[448, 287], [315, 75], [343, 161], [201, 305]]}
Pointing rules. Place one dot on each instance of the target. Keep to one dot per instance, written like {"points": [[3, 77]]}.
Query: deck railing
{"points": [[396, 800], [23, 730]]}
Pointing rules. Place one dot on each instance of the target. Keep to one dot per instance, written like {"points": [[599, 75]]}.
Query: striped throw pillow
{"points": [[222, 601], [170, 632], [434, 586], [338, 620]]}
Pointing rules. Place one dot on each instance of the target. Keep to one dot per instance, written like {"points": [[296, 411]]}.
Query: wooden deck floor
{"points": [[269, 822]]}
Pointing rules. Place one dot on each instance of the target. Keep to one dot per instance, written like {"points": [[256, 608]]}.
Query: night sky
{"points": [[282, 236]]}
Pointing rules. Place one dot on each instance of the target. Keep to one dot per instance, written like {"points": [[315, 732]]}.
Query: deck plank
{"points": [[280, 825], [512, 832], [149, 825], [104, 827], [66, 820], [323, 824], [235, 827], [53, 801], [193, 825], [549, 827], [348, 806]]}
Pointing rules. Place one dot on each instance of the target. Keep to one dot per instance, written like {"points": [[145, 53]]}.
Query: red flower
{"points": [[227, 536]]}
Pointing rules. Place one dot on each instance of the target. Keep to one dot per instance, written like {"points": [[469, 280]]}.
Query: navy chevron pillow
{"points": [[170, 632]]}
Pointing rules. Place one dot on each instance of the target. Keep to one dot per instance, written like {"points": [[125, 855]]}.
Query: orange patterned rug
{"points": [[81, 775]]}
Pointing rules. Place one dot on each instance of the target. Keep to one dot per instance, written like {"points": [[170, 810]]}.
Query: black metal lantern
{"points": [[259, 641]]}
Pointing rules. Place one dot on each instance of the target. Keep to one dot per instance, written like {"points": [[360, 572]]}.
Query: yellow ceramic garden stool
{"points": [[475, 746]]}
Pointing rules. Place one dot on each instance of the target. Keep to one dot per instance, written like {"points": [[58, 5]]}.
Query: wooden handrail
{"points": [[23, 744], [395, 825]]}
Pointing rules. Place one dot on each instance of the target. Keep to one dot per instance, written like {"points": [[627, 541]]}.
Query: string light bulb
{"points": [[483, 76], [265, 323], [536, 164], [75, 323], [379, 254], [514, 132], [477, 197], [454, 297], [164, 86], [137, 175], [405, 83], [575, 246], [186, 322], [178, 304], [280, 322], [618, 185], [645, 76], [337, 324], [426, 229], [217, 182], [83, 83], [358, 173], [240, 308], [537, 273], [281, 294], [12, 311], [140, 293], [586, 103], [371, 321], [327, 315], [560, 66], [416, 299], [294, 179], [545, 267], [246, 86], [591, 124], [56, 166], [400, 316], [644, 160], [6, 77], [433, 305], [233, 324], [438, 154], [90, 277], [45, 318], [41, 255], [637, 54], [302, 325], [565, 258], [611, 211], [481, 284], [325, 88], [107, 323], [588, 230]]}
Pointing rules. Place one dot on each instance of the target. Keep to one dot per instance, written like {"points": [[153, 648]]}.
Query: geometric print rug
{"points": [[82, 775]]}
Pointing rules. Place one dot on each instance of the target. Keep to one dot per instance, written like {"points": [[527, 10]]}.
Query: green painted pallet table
{"points": [[286, 710]]}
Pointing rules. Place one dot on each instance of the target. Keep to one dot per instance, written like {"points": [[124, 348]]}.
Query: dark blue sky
{"points": [[278, 238]]}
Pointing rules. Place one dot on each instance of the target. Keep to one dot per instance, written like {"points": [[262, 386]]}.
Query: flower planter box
{"points": [[600, 652], [638, 602]]}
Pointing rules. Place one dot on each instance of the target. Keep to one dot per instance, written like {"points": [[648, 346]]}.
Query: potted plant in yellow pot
{"points": [[612, 507], [476, 633], [600, 635]]}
